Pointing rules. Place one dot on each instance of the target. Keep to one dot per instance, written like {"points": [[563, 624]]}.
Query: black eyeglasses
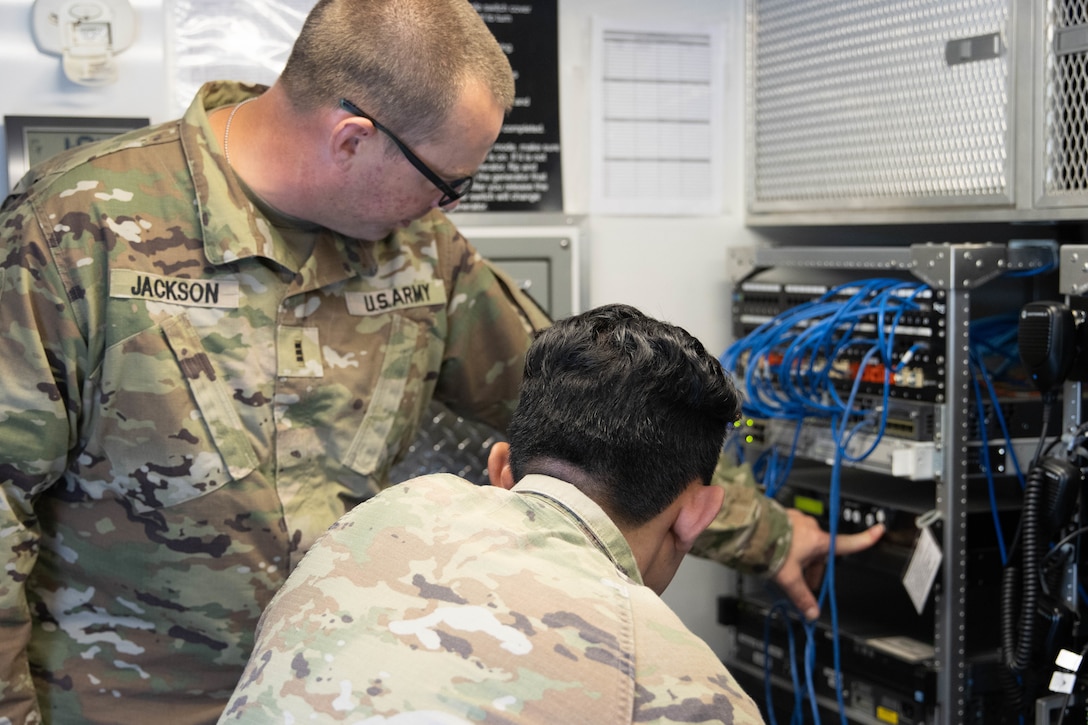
{"points": [[451, 191]]}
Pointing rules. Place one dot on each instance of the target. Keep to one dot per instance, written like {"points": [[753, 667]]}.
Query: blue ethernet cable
{"points": [[790, 374], [809, 339], [781, 607], [984, 462]]}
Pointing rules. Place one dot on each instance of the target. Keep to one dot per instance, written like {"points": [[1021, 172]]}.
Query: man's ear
{"points": [[347, 136], [700, 505], [498, 466]]}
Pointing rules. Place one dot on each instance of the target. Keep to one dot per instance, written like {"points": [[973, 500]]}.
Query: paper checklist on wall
{"points": [[657, 130]]}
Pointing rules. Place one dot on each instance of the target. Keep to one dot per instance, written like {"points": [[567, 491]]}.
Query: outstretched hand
{"points": [[804, 566]]}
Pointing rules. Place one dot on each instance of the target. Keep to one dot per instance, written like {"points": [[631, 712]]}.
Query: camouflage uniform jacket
{"points": [[752, 532], [458, 604], [191, 396]]}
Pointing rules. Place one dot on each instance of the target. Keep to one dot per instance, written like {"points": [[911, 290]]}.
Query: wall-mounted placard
{"points": [[251, 41], [523, 171]]}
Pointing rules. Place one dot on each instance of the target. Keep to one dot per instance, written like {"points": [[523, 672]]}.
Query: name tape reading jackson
{"points": [[417, 294], [174, 290]]}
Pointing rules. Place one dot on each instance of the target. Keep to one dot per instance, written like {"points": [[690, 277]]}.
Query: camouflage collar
{"points": [[233, 228], [592, 518]]}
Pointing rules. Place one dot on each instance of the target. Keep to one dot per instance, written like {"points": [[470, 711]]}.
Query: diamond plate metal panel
{"points": [[448, 443], [856, 103]]}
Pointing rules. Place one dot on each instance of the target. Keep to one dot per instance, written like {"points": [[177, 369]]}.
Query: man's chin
{"points": [[376, 233]]}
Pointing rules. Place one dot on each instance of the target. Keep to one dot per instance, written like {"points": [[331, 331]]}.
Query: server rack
{"points": [[958, 273]]}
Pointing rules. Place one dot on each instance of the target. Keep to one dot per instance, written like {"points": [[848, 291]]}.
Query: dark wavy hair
{"points": [[636, 405]]}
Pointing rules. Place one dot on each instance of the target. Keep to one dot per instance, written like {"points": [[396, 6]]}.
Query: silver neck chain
{"points": [[226, 130]]}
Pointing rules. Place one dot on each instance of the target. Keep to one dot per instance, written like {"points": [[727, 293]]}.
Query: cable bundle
{"points": [[809, 364], [796, 366]]}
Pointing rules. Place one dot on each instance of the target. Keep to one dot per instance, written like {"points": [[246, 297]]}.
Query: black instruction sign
{"points": [[523, 171]]}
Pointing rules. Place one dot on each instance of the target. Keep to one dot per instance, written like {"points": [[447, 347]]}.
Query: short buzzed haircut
{"points": [[404, 62]]}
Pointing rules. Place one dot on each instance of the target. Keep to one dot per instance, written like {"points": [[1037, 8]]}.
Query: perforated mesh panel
{"points": [[855, 100], [1065, 122]]}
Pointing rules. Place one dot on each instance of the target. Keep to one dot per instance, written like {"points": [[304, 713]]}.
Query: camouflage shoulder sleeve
{"points": [[42, 355], [491, 323], [678, 678], [751, 533]]}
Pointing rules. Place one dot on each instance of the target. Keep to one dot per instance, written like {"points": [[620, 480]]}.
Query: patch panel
{"points": [[919, 339]]}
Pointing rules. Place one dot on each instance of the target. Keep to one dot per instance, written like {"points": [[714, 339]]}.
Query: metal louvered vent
{"points": [[858, 104], [1065, 98]]}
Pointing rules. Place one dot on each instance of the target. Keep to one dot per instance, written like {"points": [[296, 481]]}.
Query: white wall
{"points": [[672, 268], [32, 83]]}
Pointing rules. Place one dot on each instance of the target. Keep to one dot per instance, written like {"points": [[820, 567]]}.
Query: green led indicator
{"points": [[812, 506]]}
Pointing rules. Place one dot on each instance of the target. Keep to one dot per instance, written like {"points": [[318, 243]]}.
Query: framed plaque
{"points": [[31, 139]]}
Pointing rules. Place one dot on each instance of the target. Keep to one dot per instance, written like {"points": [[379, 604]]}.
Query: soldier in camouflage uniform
{"points": [[208, 357], [217, 335], [536, 602]]}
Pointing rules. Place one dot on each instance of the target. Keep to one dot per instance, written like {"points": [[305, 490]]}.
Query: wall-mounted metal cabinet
{"points": [[916, 111]]}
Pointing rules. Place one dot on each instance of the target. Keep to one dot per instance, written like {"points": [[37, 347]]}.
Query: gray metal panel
{"points": [[541, 265], [1073, 272], [1062, 71], [950, 638], [943, 266], [860, 105]]}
